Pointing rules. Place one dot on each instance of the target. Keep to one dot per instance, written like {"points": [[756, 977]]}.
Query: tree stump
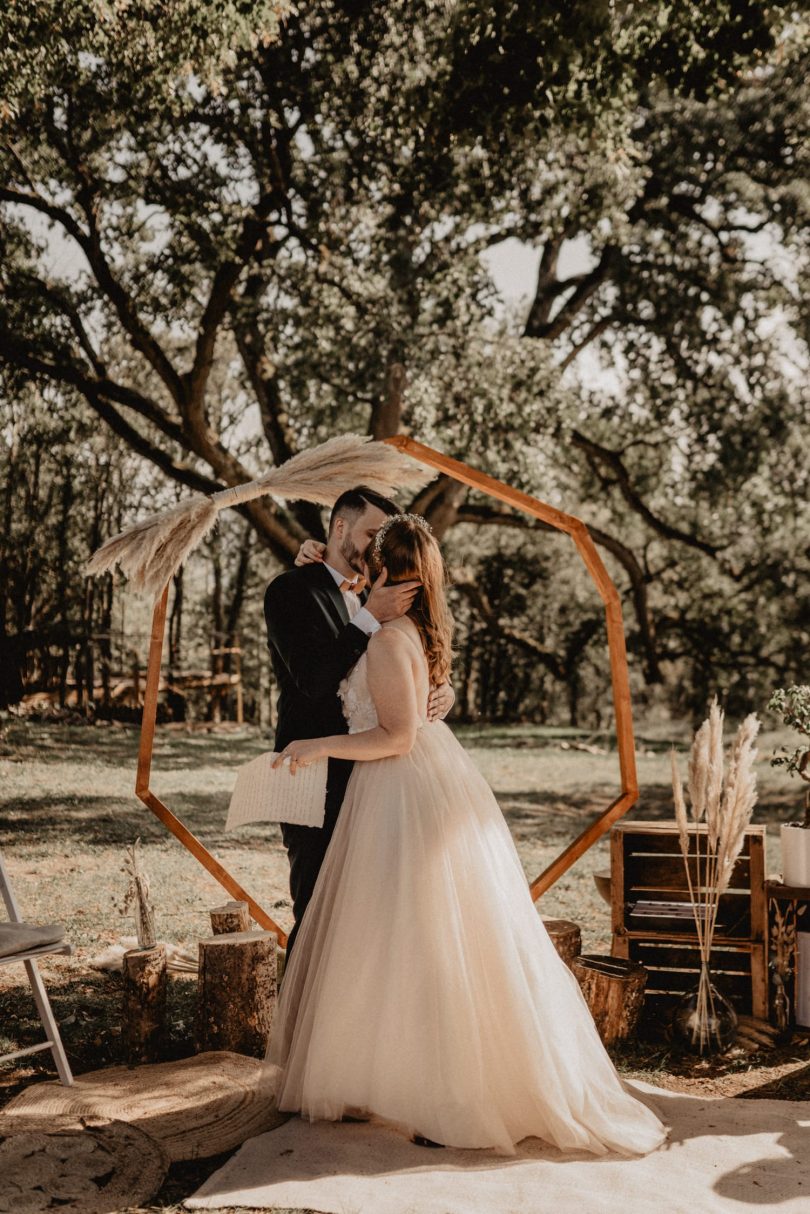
{"points": [[614, 991], [232, 917], [237, 991], [566, 938], [144, 1003]]}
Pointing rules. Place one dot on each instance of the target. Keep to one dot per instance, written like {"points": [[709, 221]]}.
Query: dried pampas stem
{"points": [[683, 835], [714, 785], [151, 551], [727, 807]]}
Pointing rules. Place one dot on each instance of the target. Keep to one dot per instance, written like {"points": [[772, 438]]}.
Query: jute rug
{"points": [[723, 1156], [196, 1107]]}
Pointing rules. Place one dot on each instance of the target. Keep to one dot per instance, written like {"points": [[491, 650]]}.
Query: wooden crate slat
{"points": [[661, 838], [678, 982], [667, 955], [744, 944], [733, 915], [669, 872], [730, 899]]}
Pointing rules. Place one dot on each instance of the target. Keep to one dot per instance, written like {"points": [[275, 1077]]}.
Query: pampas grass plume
{"points": [[151, 551], [739, 799], [714, 786], [698, 772]]}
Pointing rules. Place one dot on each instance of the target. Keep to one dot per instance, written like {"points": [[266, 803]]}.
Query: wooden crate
{"points": [[652, 920]]}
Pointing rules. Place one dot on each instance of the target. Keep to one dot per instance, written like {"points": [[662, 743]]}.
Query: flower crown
{"points": [[398, 518]]}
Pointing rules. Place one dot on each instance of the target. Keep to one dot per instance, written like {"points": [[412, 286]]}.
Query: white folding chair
{"points": [[28, 952]]}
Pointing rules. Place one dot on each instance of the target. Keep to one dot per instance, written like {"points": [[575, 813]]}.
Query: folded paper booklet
{"points": [[263, 793]]}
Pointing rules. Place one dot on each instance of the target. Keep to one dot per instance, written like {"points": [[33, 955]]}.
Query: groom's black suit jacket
{"points": [[313, 645]]}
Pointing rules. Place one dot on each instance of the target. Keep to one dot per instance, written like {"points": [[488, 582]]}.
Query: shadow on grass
{"points": [[100, 822], [87, 1007], [174, 749]]}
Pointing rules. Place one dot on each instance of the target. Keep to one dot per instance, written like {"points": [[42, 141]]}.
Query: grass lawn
{"points": [[68, 810]]}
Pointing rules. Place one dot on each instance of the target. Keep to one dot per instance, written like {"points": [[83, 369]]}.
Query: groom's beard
{"points": [[352, 555]]}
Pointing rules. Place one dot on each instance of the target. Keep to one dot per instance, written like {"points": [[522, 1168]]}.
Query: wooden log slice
{"points": [[232, 917], [77, 1165], [237, 992], [566, 938], [197, 1107], [614, 991], [144, 1003]]}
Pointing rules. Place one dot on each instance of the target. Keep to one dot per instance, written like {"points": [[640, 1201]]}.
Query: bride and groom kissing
{"points": [[421, 987]]}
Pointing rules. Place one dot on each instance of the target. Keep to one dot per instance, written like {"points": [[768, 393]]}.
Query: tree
{"points": [[303, 218]]}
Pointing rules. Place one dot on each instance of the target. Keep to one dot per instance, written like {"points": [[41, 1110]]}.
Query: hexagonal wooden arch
{"points": [[618, 670]]}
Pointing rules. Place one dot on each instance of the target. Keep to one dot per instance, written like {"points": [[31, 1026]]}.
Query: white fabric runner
{"points": [[723, 1156]]}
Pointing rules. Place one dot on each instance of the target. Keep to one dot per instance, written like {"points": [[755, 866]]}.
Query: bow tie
{"points": [[356, 586]]}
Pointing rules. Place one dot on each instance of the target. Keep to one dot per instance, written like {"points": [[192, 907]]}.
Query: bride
{"points": [[424, 988]]}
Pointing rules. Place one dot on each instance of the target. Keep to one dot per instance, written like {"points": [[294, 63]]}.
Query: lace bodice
{"points": [[357, 702], [358, 706]]}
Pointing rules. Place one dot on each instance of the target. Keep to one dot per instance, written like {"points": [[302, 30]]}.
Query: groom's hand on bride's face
{"points": [[440, 701], [310, 552], [389, 602]]}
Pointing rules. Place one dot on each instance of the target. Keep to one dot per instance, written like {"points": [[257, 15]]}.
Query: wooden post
{"points": [[232, 917], [144, 1003], [143, 777], [566, 938], [240, 703], [237, 992], [614, 991]]}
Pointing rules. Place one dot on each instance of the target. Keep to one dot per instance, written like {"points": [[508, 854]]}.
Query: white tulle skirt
{"points": [[424, 987]]}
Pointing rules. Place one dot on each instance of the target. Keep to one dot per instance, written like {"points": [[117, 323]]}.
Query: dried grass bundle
{"points": [[137, 894], [727, 805], [151, 551]]}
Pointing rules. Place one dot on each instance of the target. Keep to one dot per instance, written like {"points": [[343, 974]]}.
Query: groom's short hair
{"points": [[352, 503]]}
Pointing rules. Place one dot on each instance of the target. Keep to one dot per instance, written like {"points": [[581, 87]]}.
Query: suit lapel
{"points": [[335, 598]]}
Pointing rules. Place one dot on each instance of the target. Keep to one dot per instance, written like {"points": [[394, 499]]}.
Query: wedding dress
{"points": [[424, 987]]}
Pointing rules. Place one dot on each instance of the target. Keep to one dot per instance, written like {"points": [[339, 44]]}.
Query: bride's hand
{"points": [[310, 553], [440, 701], [301, 754]]}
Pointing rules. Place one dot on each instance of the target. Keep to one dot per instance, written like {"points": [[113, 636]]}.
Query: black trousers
{"points": [[306, 847]]}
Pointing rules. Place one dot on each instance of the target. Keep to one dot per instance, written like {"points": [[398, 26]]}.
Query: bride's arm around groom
{"points": [[392, 674]]}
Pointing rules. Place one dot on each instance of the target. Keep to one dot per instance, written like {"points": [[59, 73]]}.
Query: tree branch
{"points": [[639, 579], [613, 460], [516, 636]]}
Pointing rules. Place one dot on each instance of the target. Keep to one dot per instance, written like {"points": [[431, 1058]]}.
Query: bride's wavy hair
{"points": [[408, 550]]}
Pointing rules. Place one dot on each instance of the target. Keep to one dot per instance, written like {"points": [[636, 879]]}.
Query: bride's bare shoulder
{"points": [[399, 634], [404, 626]]}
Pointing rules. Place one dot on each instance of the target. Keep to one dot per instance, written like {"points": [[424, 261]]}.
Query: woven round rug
{"points": [[77, 1165], [197, 1107]]}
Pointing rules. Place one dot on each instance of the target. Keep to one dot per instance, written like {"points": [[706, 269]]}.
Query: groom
{"points": [[319, 621]]}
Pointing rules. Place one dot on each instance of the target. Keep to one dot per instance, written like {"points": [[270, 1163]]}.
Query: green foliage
{"points": [[793, 705], [230, 230]]}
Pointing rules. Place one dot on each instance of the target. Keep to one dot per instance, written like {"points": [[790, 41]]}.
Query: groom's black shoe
{"points": [[421, 1141]]}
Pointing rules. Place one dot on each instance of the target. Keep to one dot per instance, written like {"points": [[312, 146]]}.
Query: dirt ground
{"points": [[67, 811]]}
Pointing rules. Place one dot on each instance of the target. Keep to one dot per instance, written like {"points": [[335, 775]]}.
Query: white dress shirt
{"points": [[359, 615]]}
